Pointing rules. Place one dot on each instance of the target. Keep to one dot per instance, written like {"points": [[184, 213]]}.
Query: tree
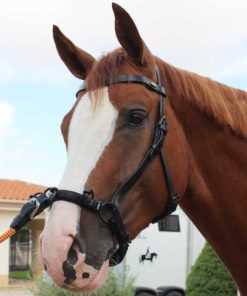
{"points": [[209, 276]]}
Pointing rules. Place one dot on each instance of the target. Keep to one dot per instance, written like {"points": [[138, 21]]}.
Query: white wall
{"points": [[197, 242], [5, 220], [176, 252]]}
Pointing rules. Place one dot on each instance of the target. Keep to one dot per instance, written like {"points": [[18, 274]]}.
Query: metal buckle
{"points": [[50, 192], [37, 205], [163, 124], [152, 84], [88, 193]]}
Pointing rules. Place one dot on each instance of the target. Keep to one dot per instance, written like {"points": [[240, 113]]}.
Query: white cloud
{"points": [[6, 114], [205, 36]]}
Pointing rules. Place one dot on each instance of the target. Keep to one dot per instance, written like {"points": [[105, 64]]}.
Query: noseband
{"points": [[109, 210]]}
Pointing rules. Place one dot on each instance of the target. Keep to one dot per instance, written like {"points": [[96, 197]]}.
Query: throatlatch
{"points": [[109, 210]]}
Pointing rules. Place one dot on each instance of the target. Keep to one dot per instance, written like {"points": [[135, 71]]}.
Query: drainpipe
{"points": [[189, 249]]}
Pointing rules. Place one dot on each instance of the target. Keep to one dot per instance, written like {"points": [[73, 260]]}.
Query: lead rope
{"points": [[7, 234], [37, 204]]}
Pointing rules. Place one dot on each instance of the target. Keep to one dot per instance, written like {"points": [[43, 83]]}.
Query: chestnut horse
{"points": [[108, 133]]}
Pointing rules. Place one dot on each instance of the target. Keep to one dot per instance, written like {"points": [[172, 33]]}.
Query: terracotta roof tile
{"points": [[18, 190]]}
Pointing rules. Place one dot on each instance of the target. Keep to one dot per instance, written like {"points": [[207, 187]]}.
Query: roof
{"points": [[18, 190]]}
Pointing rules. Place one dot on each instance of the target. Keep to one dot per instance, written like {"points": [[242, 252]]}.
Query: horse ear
{"points": [[77, 60], [129, 37]]}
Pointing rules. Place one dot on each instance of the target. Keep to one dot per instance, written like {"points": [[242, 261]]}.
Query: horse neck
{"points": [[215, 199]]}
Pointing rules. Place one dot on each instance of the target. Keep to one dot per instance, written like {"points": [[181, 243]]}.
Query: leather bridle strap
{"points": [[155, 149], [152, 152], [148, 83]]}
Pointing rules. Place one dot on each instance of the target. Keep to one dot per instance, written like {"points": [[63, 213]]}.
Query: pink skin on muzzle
{"points": [[57, 241]]}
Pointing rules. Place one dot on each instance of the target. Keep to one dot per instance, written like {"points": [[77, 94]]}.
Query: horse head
{"points": [[107, 133]]}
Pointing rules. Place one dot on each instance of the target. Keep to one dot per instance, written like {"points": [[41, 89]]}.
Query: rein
{"points": [[109, 210]]}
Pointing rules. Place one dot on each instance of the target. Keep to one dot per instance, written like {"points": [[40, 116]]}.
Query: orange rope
{"points": [[7, 234]]}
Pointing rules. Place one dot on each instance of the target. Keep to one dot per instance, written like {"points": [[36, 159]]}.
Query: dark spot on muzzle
{"points": [[85, 275], [72, 256], [68, 269], [69, 273]]}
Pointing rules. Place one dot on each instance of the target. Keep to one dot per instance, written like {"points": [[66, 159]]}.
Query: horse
{"points": [[148, 256], [141, 137]]}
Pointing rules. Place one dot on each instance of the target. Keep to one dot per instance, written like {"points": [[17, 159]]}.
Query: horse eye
{"points": [[136, 118]]}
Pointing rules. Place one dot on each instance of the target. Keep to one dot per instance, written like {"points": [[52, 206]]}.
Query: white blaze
{"points": [[91, 130]]}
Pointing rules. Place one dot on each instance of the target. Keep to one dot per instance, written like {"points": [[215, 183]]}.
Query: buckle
{"points": [[42, 200], [88, 197], [89, 194], [37, 205], [162, 124], [152, 84]]}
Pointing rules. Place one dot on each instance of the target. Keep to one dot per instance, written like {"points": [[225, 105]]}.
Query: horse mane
{"points": [[227, 105]]}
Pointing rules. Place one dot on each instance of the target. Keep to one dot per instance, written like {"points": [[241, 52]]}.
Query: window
{"points": [[20, 246], [169, 223]]}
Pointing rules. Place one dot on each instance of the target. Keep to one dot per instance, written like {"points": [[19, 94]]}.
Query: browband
{"points": [[148, 83]]}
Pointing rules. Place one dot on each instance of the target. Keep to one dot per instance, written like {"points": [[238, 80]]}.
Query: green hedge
{"points": [[209, 276], [116, 285], [21, 274]]}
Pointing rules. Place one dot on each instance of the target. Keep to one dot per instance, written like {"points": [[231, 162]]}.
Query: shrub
{"points": [[116, 285], [209, 276], [21, 274]]}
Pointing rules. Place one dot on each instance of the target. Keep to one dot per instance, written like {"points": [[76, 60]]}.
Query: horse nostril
{"points": [[45, 267], [72, 256], [85, 275]]}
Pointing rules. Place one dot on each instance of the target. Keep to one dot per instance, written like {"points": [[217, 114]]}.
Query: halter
{"points": [[108, 211]]}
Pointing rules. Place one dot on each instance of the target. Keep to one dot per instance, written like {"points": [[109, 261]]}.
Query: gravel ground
{"points": [[14, 292]]}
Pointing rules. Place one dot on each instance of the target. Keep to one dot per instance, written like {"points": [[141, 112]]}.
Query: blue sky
{"points": [[34, 150], [36, 90]]}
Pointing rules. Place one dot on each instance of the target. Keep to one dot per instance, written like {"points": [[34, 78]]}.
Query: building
{"points": [[21, 252]]}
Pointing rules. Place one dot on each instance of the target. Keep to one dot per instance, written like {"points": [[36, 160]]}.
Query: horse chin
{"points": [[97, 280], [96, 283]]}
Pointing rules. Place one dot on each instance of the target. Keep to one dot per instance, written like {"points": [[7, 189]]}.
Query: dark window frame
{"points": [[170, 223], [21, 240]]}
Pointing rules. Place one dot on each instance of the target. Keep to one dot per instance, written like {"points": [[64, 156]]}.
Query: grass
{"points": [[116, 285]]}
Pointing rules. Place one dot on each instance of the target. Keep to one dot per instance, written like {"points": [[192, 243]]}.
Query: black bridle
{"points": [[109, 210]]}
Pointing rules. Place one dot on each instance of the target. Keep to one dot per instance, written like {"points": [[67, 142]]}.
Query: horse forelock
{"points": [[103, 69], [112, 64], [227, 105]]}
